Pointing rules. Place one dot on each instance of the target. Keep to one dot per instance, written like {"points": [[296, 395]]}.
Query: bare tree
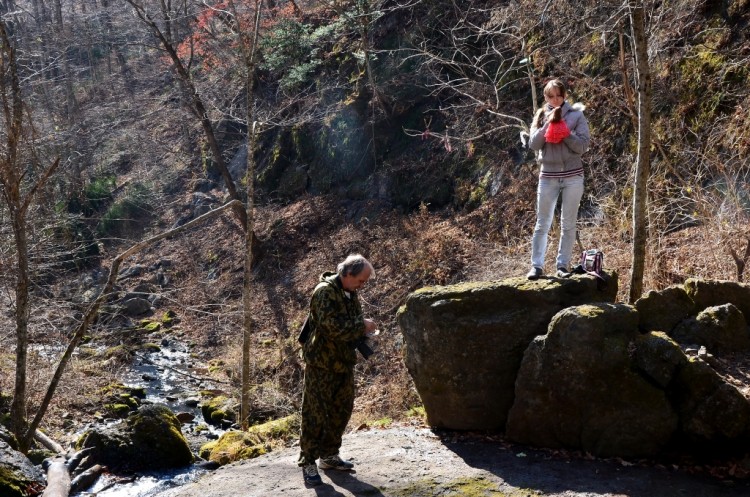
{"points": [[166, 36], [642, 166], [248, 37], [18, 193], [473, 58]]}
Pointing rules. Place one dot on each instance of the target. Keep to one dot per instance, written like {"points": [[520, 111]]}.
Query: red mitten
{"points": [[556, 132]]}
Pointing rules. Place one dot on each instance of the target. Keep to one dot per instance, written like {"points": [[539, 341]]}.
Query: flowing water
{"points": [[171, 377]]}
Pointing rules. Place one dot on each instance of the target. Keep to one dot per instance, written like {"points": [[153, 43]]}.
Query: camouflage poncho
{"points": [[337, 322]]}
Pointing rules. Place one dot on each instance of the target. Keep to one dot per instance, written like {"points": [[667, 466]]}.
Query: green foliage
{"points": [[294, 50], [96, 194], [289, 50], [128, 214]]}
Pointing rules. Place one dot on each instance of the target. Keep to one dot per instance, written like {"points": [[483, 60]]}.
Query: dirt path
{"points": [[409, 462]]}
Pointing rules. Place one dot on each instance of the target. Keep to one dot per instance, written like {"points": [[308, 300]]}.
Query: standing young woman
{"points": [[559, 134]]}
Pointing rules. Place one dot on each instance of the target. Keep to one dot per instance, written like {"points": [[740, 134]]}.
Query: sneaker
{"points": [[534, 273], [562, 272], [335, 462], [311, 476]]}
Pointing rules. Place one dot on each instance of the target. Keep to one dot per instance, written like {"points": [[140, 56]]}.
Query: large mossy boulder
{"points": [[18, 476], [464, 343], [665, 309], [721, 329], [577, 388], [710, 313], [713, 413], [149, 438], [595, 383], [708, 293], [218, 410]]}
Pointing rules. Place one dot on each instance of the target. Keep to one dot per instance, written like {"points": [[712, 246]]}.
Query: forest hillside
{"points": [[389, 128]]}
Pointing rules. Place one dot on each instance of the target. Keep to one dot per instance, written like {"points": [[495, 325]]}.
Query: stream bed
{"points": [[170, 376]]}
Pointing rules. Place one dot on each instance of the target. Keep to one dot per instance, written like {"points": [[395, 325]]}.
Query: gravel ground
{"points": [[416, 462]]}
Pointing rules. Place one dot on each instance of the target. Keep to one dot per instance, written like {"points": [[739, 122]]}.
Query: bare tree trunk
{"points": [[72, 104], [642, 167], [10, 178], [18, 407], [248, 42], [12, 173]]}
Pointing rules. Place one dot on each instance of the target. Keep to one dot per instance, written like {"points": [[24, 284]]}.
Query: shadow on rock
{"points": [[528, 468], [347, 481]]}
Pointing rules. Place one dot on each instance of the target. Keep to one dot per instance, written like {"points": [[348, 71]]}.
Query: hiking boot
{"points": [[534, 273], [310, 474], [335, 462], [562, 272]]}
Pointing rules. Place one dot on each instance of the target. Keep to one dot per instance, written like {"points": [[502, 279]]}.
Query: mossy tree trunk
{"points": [[642, 166]]}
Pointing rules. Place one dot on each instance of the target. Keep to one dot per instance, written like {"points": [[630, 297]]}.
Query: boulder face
{"points": [[595, 383], [578, 387], [18, 476], [708, 293], [148, 439], [554, 364], [721, 329], [664, 310], [463, 344]]}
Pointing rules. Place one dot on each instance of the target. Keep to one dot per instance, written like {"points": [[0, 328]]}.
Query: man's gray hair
{"points": [[353, 265]]}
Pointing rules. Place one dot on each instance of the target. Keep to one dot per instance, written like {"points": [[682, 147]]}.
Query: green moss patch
{"points": [[466, 487], [256, 441], [12, 484]]}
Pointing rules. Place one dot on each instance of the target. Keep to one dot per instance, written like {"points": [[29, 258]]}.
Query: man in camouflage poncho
{"points": [[329, 353]]}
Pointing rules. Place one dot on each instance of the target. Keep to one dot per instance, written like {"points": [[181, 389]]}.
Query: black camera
{"points": [[363, 346]]}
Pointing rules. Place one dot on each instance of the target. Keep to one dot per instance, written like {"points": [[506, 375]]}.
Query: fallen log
{"points": [[49, 443], [58, 478], [75, 460], [86, 479]]}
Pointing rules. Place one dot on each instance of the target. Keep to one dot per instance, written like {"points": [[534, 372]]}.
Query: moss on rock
{"points": [[256, 441], [218, 410], [478, 486], [12, 484], [149, 438], [233, 446]]}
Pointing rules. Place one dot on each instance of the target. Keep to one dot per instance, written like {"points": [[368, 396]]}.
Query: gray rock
{"points": [[131, 271], [577, 389], [203, 185], [185, 417], [710, 409], [136, 306], [463, 344], [708, 293], [721, 329], [663, 310], [148, 439], [658, 357], [17, 473]]}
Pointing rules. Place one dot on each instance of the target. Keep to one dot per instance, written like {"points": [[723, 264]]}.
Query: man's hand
{"points": [[370, 326]]}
